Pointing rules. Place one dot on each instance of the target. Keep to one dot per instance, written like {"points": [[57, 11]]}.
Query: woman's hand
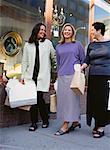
{"points": [[83, 66], [22, 81]]}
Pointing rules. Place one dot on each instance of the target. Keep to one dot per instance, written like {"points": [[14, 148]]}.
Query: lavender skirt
{"points": [[68, 103]]}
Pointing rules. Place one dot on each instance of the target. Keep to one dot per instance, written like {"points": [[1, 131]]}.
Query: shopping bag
{"points": [[78, 81], [56, 85], [53, 103], [21, 94], [109, 97], [26, 108], [109, 102], [7, 101]]}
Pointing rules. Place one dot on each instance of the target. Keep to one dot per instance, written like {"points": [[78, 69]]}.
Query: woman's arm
{"points": [[81, 52], [83, 66], [87, 60]]}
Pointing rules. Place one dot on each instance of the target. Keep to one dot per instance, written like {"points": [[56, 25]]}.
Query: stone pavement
{"points": [[19, 138]]}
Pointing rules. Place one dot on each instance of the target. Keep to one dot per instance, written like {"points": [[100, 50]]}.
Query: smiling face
{"points": [[42, 32], [68, 32], [94, 33]]}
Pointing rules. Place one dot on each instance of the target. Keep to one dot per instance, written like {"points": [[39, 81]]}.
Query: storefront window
{"points": [[64, 2], [18, 16], [72, 5], [102, 13], [77, 13], [21, 15]]}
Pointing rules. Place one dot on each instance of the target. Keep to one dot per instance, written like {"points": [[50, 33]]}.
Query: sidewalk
{"points": [[19, 138]]}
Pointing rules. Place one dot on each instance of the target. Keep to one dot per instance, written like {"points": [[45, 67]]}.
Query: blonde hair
{"points": [[62, 39]]}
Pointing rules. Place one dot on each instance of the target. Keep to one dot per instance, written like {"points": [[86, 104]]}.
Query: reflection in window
{"points": [[81, 9], [100, 13], [103, 14], [30, 3], [10, 44], [63, 2], [79, 23], [72, 19], [72, 5]]}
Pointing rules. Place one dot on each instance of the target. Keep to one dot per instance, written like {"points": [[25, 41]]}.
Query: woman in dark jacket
{"points": [[98, 60]]}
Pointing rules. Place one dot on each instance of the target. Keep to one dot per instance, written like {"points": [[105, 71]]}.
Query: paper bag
{"points": [[109, 97], [27, 108], [7, 101], [21, 94], [109, 102], [53, 103], [78, 81]]}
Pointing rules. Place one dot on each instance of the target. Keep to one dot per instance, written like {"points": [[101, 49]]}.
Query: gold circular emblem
{"points": [[11, 43]]}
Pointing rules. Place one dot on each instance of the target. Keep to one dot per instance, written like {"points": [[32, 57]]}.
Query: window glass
{"points": [[77, 13], [81, 9], [21, 16], [63, 2], [18, 16], [102, 13], [72, 5]]}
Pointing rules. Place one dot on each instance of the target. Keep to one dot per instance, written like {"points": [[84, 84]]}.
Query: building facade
{"points": [[19, 16]]}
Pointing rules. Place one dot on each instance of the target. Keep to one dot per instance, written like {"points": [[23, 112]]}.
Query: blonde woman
{"points": [[69, 52]]}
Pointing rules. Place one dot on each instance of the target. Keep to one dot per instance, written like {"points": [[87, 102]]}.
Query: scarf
{"points": [[37, 63]]}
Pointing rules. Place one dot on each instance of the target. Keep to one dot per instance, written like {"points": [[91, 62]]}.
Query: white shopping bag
{"points": [[21, 94], [26, 108], [109, 102], [109, 97], [56, 85]]}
